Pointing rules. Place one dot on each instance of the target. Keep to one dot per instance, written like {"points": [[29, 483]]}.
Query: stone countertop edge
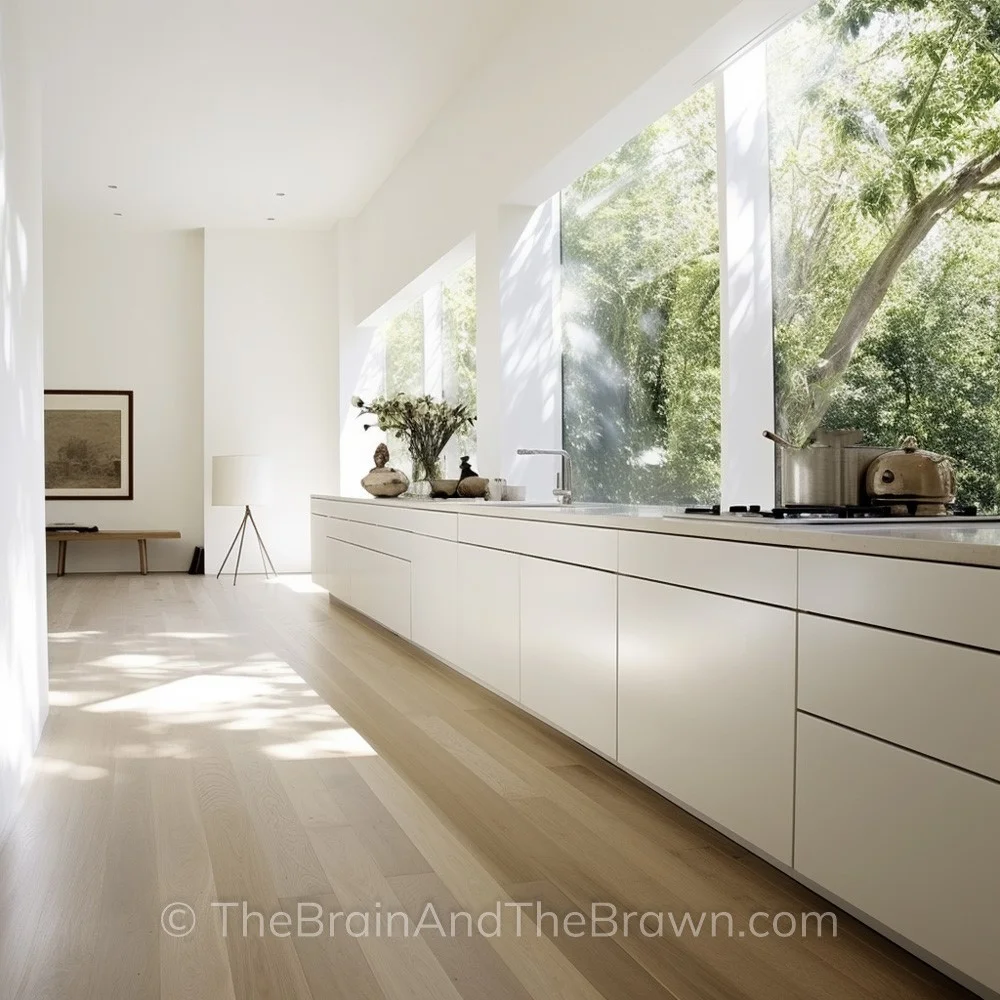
{"points": [[967, 544]]}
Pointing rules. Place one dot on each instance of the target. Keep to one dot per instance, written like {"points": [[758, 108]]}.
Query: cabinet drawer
{"points": [[907, 840], [344, 509], [938, 699], [939, 600], [388, 540], [436, 524], [569, 543], [764, 573]]}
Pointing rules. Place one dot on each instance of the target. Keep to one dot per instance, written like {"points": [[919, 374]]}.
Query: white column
{"points": [[361, 373], [433, 341], [747, 355]]}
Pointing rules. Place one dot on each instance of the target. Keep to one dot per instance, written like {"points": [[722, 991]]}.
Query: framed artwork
{"points": [[88, 444]]}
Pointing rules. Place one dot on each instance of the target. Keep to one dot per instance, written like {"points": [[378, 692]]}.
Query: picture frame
{"points": [[88, 444]]}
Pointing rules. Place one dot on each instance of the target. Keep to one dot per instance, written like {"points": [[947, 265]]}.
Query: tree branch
{"points": [[871, 290]]}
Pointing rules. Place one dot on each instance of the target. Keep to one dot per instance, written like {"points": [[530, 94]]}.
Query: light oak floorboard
{"points": [[212, 744]]}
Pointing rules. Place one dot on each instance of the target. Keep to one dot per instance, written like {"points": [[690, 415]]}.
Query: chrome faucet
{"points": [[564, 485]]}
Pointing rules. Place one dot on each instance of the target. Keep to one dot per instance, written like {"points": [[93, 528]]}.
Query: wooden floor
{"points": [[211, 744]]}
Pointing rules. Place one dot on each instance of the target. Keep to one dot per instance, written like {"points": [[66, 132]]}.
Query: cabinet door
{"points": [[706, 705], [908, 840], [568, 655], [434, 586], [392, 582], [338, 570], [317, 547], [488, 618], [380, 588]]}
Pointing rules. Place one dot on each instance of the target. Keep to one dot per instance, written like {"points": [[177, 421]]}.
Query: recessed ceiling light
{"points": [[114, 187], [119, 214], [270, 218], [280, 194]]}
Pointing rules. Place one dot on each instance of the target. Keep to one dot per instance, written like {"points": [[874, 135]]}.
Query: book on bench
{"points": [[70, 527]]}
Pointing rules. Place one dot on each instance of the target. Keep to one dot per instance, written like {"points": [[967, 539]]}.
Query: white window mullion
{"points": [[747, 345], [433, 341]]}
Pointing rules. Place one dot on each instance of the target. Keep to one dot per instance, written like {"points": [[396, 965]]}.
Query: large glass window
{"points": [[884, 137], [640, 310], [458, 352], [430, 347]]}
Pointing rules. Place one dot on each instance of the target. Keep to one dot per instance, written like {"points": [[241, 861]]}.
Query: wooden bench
{"points": [[64, 537]]}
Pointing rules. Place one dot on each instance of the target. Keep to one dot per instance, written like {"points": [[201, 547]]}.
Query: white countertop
{"points": [[974, 543]]}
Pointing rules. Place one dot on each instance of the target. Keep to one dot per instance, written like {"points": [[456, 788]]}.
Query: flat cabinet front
{"points": [[568, 654], [337, 569], [489, 618], [706, 705], [434, 586], [910, 841], [380, 588], [317, 549]]}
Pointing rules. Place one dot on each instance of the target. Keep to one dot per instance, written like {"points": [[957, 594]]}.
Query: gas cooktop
{"points": [[817, 512]]}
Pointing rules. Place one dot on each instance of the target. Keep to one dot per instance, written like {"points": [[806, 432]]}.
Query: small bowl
{"points": [[446, 486], [516, 493]]}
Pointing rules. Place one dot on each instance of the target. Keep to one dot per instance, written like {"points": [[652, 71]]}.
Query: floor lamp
{"points": [[239, 481]]}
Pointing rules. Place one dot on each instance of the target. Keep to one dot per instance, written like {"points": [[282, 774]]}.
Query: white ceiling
{"points": [[202, 110]]}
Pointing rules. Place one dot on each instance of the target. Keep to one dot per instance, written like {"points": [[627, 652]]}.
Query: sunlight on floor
{"points": [[333, 743], [300, 584], [190, 694], [67, 769], [190, 635]]}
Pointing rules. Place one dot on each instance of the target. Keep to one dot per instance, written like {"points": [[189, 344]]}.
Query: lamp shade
{"points": [[240, 480]]}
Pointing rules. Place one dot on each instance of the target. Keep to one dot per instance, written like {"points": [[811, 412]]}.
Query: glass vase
{"points": [[426, 467]]}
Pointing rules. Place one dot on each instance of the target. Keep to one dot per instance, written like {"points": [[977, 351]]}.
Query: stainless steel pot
{"points": [[829, 472], [913, 475]]}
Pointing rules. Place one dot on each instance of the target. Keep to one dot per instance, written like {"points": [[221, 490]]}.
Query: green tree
{"points": [[893, 128], [640, 305]]}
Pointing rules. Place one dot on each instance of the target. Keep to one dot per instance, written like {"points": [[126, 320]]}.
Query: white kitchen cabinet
{"points": [[764, 573], [380, 588], [908, 840], [568, 649], [488, 591], [942, 601], [922, 694], [706, 705], [434, 586], [317, 549], [337, 569], [569, 543]]}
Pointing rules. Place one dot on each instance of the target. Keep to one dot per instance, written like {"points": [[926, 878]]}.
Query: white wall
{"points": [[271, 384], [569, 83], [123, 310], [23, 657]]}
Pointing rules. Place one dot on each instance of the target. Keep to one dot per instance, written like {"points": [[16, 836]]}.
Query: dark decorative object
{"points": [[383, 481], [88, 444], [470, 485]]}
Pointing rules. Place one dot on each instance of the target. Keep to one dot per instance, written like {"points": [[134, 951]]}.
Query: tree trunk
{"points": [[870, 292]]}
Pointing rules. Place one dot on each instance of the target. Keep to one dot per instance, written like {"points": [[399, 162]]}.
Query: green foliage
{"points": [[458, 332], [640, 304], [425, 425], [873, 104]]}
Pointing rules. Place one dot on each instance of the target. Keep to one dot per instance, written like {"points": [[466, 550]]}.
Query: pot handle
{"points": [[771, 436]]}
